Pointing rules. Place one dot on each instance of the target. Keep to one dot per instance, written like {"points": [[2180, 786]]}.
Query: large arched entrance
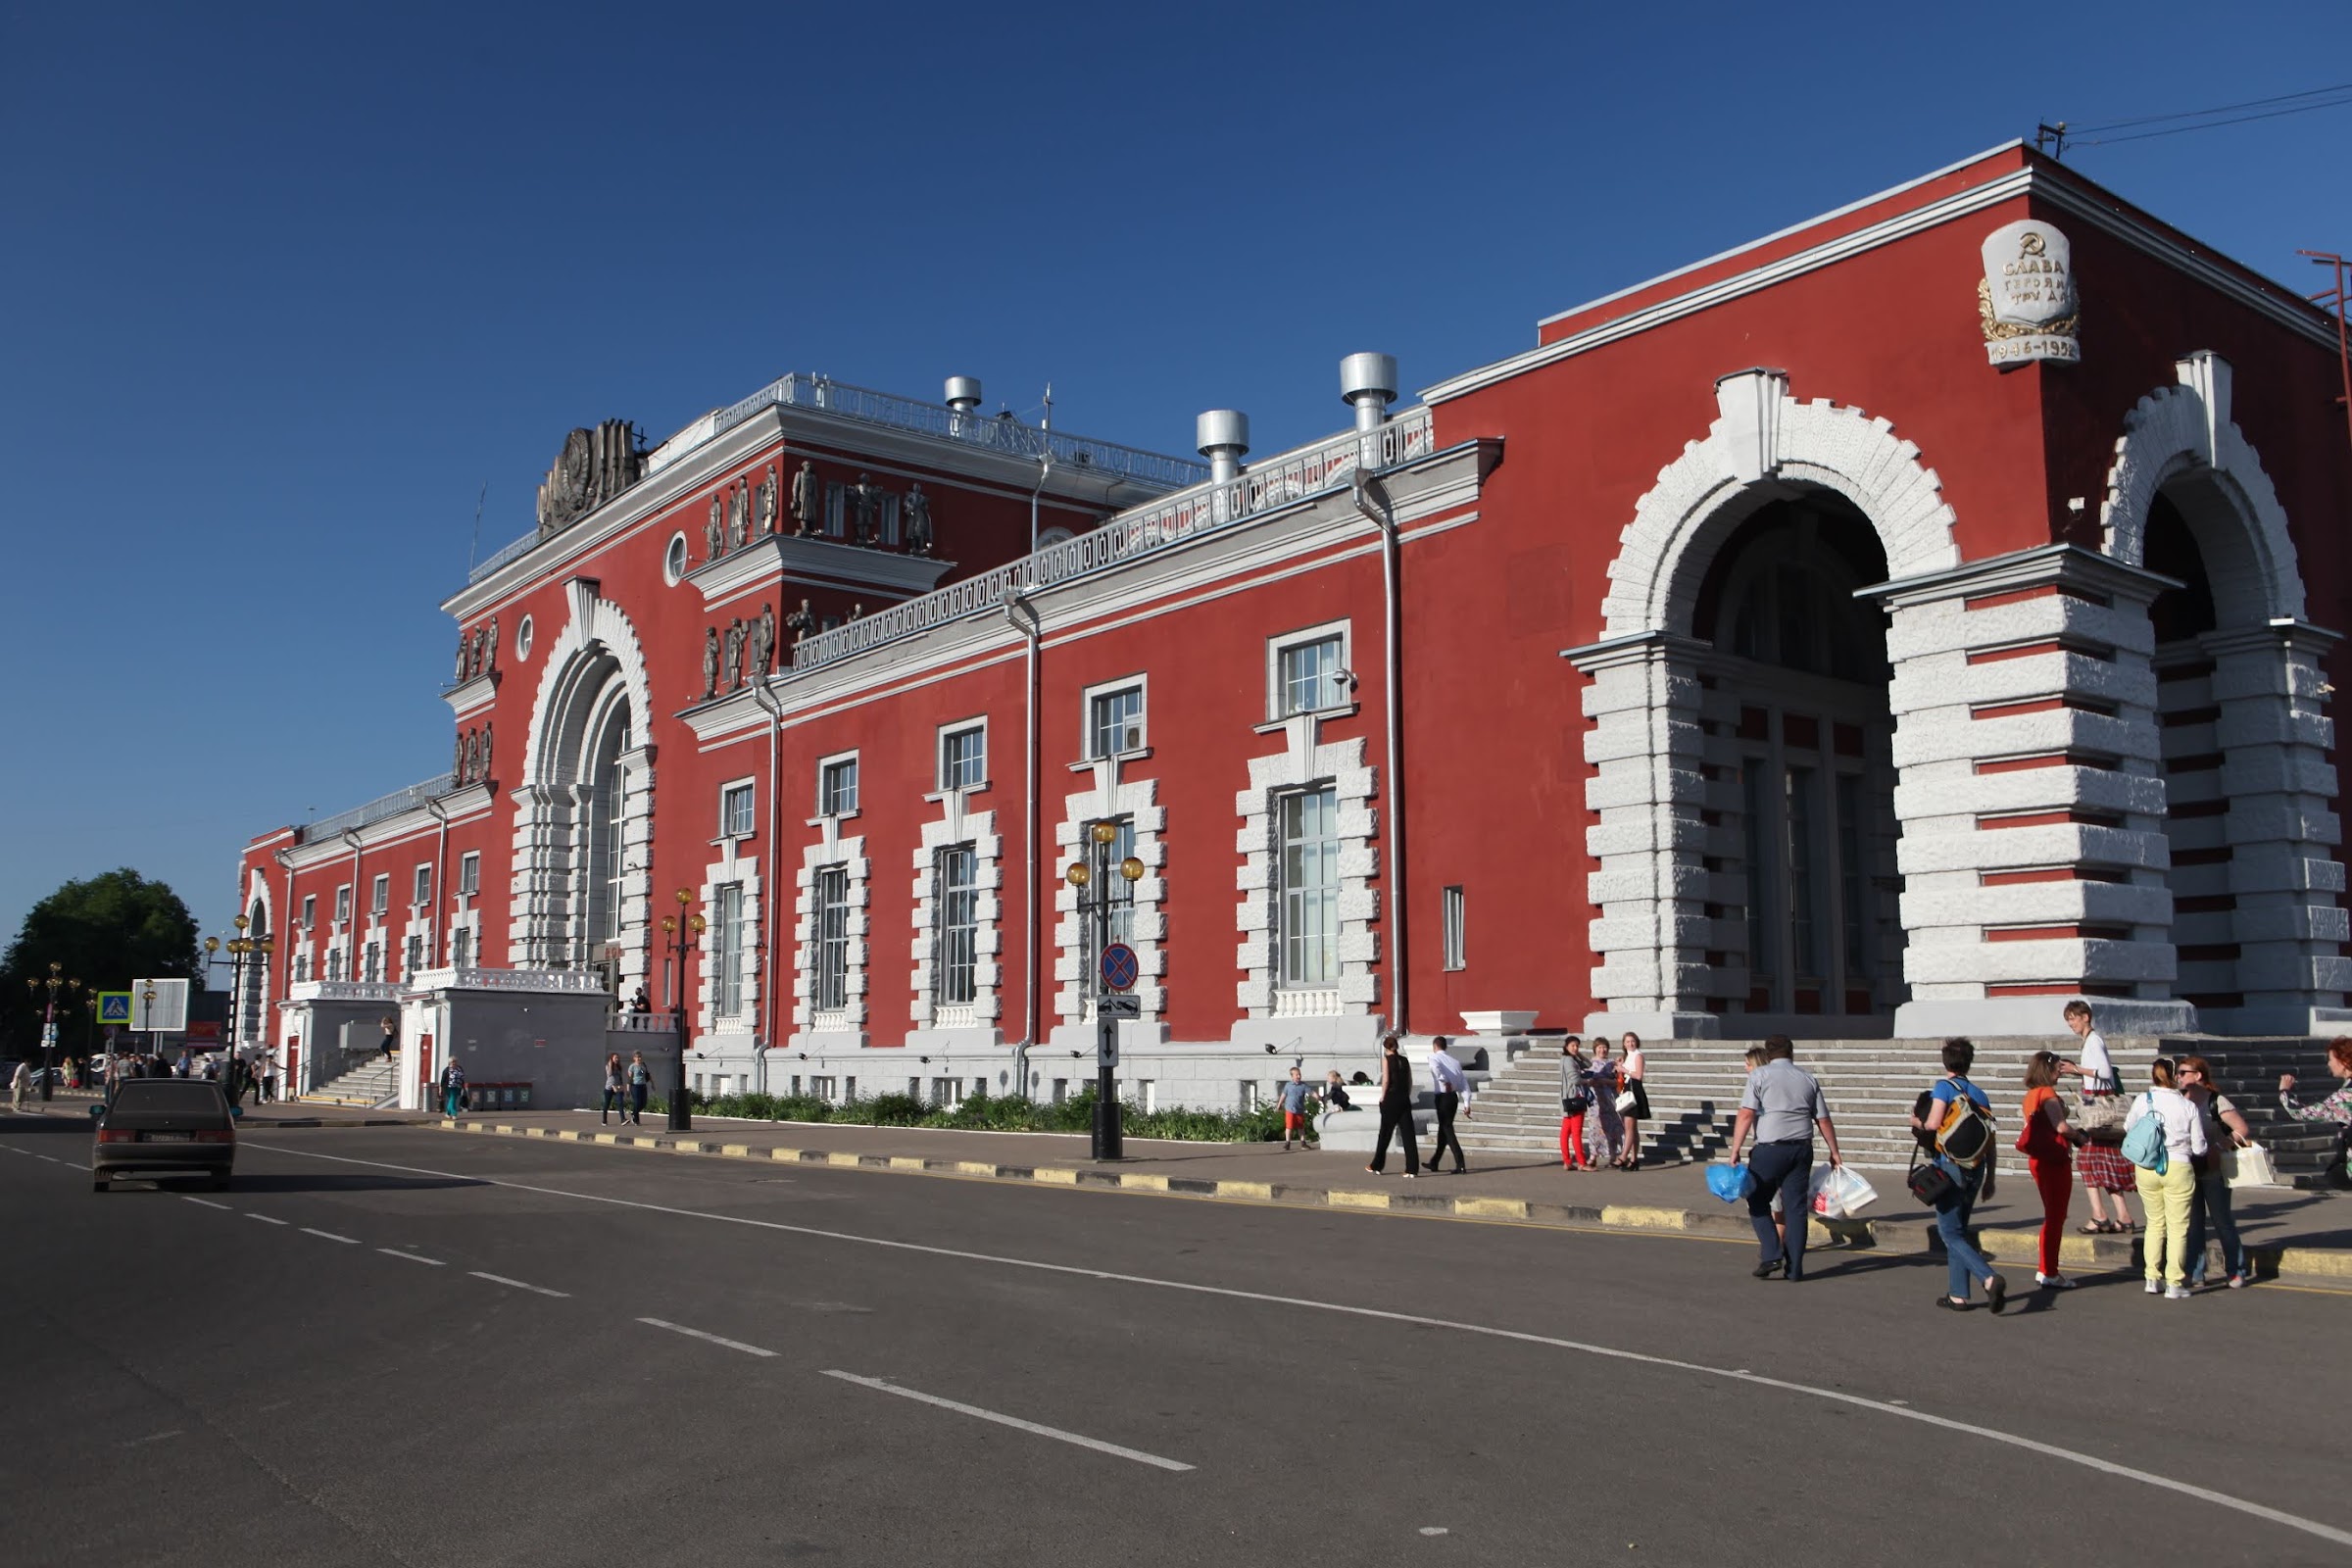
{"points": [[1809, 940]]}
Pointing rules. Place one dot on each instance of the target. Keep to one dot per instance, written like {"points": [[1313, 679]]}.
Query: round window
{"points": [[522, 639], [673, 562]]}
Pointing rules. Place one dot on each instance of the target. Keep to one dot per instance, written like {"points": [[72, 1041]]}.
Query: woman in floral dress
{"points": [[2336, 1109], [1605, 1129]]}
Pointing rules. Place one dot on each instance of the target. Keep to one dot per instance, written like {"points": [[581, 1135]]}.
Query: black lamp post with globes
{"points": [[682, 929], [1091, 876]]}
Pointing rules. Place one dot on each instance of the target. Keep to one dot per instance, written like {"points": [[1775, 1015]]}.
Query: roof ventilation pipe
{"points": [[1368, 382], [963, 396], [1224, 439]]}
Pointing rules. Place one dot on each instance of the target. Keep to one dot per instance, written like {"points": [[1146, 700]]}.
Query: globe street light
{"points": [[682, 933], [1096, 896], [239, 947], [44, 996]]}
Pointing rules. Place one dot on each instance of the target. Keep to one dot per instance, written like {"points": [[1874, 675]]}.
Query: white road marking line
{"points": [[208, 1203], [1013, 1421], [51, 1158], [155, 1437], [2124, 1472], [698, 1334], [267, 1219], [413, 1258], [347, 1241], [501, 1279]]}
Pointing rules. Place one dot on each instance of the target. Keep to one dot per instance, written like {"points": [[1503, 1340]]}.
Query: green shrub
{"points": [[983, 1113]]}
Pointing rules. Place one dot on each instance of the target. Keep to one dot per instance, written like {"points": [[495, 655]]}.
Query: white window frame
{"points": [[343, 903], [1287, 931], [380, 894], [420, 883], [470, 874], [826, 803], [1276, 688], [310, 911], [733, 935], [461, 948], [949, 958], [1453, 921], [413, 955], [1089, 729], [829, 919], [947, 733], [748, 791]]}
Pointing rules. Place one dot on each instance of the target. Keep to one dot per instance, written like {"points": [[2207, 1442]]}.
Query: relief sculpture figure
{"points": [[918, 510], [807, 500], [738, 506], [868, 504], [733, 670], [709, 662], [800, 622], [764, 641], [767, 502]]}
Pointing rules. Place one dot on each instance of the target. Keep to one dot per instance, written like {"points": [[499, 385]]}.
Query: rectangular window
{"points": [[469, 873], [343, 903], [1307, 677], [380, 894], [1308, 905], [955, 876], [963, 757], [836, 509], [821, 1085], [373, 957], [1247, 1096], [309, 910], [1114, 722], [422, 888], [461, 948], [837, 788], [735, 811], [414, 960], [1454, 911], [889, 517], [731, 938], [832, 911], [334, 963]]}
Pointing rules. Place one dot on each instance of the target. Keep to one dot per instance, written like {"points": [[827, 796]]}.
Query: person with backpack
{"points": [[1576, 1099], [2163, 1135], [1958, 1131], [613, 1090]]}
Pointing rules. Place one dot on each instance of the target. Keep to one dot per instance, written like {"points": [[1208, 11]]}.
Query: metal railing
{"points": [[996, 433], [1205, 508], [375, 810]]}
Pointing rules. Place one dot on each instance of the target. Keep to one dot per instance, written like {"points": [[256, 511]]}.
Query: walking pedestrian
{"points": [[1395, 1110], [612, 1091], [453, 1089], [1604, 1128], [1576, 1099], [2047, 1140], [2168, 1192], [641, 1084], [1449, 1083], [2225, 1128], [1636, 1063], [18, 1082], [1960, 1117], [1782, 1105], [268, 1066], [389, 1023], [2336, 1109], [1295, 1096], [2106, 1174]]}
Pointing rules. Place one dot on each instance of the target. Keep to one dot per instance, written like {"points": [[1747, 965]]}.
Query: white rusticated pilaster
{"points": [[2271, 729], [843, 1028], [1651, 937], [2030, 796]]}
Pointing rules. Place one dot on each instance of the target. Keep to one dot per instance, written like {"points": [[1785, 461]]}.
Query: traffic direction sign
{"points": [[1120, 968], [114, 1006]]}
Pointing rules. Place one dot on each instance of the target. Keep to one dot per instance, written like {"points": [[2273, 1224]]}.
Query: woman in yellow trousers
{"points": [[2169, 1197]]}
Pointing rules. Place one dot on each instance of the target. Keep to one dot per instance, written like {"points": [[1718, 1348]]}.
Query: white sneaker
{"points": [[2155, 1287], [2179, 1292], [2053, 1282]]}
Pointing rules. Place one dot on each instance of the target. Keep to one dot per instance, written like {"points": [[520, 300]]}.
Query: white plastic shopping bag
{"points": [[2250, 1166], [1839, 1192]]}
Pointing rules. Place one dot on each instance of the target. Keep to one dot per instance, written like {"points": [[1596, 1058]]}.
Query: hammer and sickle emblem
{"points": [[2032, 245]]}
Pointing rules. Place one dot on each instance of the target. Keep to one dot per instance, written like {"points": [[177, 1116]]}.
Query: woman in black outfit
{"points": [[1396, 1109]]}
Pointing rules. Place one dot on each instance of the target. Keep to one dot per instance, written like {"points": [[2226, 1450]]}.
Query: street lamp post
{"points": [[239, 948], [683, 929], [1091, 876], [44, 996]]}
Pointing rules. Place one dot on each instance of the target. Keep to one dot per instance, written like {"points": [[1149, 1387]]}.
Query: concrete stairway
{"points": [[372, 1086], [1695, 1090]]}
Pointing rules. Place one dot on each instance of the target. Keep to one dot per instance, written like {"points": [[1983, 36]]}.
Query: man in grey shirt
{"points": [[1781, 1105]]}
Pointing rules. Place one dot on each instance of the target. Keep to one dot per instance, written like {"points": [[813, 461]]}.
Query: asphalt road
{"points": [[403, 1347]]}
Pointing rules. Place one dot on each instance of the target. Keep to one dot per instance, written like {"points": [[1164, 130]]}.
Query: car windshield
{"points": [[145, 1095]]}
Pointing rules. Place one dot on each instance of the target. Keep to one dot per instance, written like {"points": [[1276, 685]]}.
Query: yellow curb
{"points": [[1263, 1190], [976, 1167], [1050, 1173], [1492, 1208], [1149, 1183], [736, 1151], [1339, 1200], [841, 1156], [1632, 1218], [2312, 1260], [907, 1162], [607, 1138], [789, 1157]]}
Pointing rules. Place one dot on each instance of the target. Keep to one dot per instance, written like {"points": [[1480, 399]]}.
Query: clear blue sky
{"points": [[287, 283]]}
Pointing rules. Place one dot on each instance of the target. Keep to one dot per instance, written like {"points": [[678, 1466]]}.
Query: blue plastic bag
{"points": [[1731, 1183]]}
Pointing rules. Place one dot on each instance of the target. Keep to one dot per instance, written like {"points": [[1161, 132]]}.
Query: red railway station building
{"points": [[1887, 629]]}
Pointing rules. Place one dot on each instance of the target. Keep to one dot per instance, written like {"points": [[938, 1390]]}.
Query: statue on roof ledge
{"points": [[866, 497], [714, 532], [808, 500], [732, 672], [800, 622], [918, 510], [767, 502], [709, 662], [763, 642], [739, 506]]}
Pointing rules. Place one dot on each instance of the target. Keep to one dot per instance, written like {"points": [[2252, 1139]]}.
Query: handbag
{"points": [[1575, 1104], [2101, 1117], [2250, 1166], [1929, 1182], [1627, 1101]]}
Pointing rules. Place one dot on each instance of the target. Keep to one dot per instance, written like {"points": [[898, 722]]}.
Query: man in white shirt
{"points": [[1447, 1083]]}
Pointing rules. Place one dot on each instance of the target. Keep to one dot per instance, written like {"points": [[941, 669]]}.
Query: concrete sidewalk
{"points": [[2303, 1236]]}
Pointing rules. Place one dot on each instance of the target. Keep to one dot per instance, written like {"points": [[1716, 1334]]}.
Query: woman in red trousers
{"points": [[2047, 1141], [1576, 1098]]}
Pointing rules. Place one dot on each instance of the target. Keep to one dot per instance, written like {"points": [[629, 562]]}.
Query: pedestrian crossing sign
{"points": [[114, 1006]]}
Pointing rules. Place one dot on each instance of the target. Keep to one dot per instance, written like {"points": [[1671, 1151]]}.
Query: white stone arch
{"points": [[593, 666], [251, 1012], [1764, 434], [2185, 429]]}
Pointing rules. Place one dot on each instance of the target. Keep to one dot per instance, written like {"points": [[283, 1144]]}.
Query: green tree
{"points": [[104, 932]]}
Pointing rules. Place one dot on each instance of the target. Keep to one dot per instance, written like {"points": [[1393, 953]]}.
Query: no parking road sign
{"points": [[1119, 967], [114, 1006]]}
